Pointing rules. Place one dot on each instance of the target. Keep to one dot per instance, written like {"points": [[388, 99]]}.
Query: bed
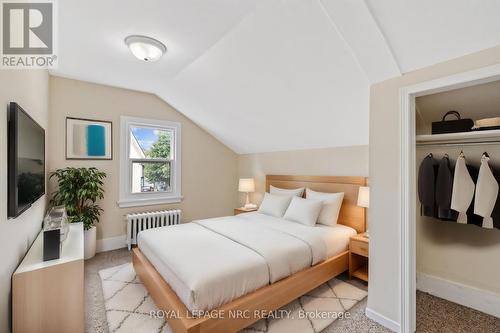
{"points": [[221, 274]]}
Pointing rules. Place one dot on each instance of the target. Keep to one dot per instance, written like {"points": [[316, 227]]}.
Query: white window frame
{"points": [[127, 197]]}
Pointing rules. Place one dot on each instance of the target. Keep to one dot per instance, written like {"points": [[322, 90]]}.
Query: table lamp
{"points": [[247, 185], [364, 200]]}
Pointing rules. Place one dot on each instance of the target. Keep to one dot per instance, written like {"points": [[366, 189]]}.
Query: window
{"points": [[150, 171]]}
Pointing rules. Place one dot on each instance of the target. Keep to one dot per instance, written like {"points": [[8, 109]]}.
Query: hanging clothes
{"points": [[486, 193], [463, 189], [496, 210], [444, 190], [427, 174], [471, 217]]}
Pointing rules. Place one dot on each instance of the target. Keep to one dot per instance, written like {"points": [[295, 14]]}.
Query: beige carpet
{"points": [[129, 307], [436, 315]]}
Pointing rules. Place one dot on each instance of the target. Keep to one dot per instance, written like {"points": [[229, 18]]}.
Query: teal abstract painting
{"points": [[88, 139], [96, 140]]}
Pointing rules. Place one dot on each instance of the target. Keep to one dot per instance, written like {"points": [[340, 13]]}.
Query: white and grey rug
{"points": [[129, 306]]}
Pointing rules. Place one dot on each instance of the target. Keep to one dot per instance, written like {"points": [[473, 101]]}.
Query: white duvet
{"points": [[212, 262]]}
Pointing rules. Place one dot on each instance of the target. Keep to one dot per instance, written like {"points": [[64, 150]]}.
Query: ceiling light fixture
{"points": [[145, 48]]}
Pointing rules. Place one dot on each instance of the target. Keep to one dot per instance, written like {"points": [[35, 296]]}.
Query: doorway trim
{"points": [[408, 189]]}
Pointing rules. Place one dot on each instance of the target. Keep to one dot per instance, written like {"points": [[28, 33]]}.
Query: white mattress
{"points": [[211, 262]]}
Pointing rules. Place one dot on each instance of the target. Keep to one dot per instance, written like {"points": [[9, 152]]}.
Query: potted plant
{"points": [[78, 190]]}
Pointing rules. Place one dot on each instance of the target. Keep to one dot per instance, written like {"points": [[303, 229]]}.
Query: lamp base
{"points": [[250, 206]]}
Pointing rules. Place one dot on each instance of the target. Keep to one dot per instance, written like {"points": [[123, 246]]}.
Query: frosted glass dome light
{"points": [[145, 48]]}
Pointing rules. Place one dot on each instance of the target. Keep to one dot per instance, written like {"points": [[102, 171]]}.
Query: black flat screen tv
{"points": [[26, 160]]}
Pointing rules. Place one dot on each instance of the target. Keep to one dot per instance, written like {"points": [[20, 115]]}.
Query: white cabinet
{"points": [[48, 296]]}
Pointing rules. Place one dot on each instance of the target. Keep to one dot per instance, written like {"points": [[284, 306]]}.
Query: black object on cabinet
{"points": [[51, 244]]}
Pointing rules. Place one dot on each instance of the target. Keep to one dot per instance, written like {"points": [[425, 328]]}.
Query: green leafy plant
{"points": [[159, 172], [78, 190]]}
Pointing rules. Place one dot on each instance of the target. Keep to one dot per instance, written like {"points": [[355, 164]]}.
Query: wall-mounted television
{"points": [[26, 160]]}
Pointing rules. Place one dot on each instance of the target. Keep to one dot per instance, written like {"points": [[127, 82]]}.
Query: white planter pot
{"points": [[89, 243]]}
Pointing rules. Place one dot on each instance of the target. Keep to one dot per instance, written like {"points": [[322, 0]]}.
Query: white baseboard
{"points": [[112, 243], [383, 320], [475, 298]]}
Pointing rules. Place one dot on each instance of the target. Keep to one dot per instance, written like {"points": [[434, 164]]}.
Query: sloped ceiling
{"points": [[269, 75]]}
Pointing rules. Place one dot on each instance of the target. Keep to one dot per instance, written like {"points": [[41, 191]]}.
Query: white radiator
{"points": [[142, 221]]}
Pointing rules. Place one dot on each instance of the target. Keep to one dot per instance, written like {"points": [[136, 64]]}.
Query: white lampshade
{"points": [[246, 185], [145, 48], [364, 197]]}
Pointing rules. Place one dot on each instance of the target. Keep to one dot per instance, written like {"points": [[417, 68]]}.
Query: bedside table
{"points": [[358, 257], [242, 210]]}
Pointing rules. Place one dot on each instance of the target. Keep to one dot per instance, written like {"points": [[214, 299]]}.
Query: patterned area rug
{"points": [[129, 308]]}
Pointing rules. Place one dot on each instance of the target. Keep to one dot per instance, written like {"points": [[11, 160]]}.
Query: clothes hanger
{"points": [[462, 155], [485, 157]]}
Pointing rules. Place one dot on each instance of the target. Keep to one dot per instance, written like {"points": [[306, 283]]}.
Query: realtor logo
{"points": [[27, 34]]}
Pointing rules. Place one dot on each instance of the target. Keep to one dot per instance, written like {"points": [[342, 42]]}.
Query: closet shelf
{"points": [[464, 138]]}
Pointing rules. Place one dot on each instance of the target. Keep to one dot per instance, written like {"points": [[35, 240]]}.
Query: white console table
{"points": [[48, 296]]}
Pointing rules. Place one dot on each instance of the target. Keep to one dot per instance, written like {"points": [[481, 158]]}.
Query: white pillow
{"points": [[281, 191], [303, 211], [274, 205], [331, 205]]}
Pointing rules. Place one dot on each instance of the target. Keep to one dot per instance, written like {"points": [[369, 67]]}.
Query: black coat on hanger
{"points": [[427, 174], [496, 210]]}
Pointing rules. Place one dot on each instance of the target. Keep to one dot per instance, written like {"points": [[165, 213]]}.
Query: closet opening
{"points": [[450, 235]]}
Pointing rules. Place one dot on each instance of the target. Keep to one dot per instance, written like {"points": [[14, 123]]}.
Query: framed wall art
{"points": [[88, 139]]}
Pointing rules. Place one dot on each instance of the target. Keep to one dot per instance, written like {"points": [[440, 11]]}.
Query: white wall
{"points": [[29, 88], [338, 161], [385, 181]]}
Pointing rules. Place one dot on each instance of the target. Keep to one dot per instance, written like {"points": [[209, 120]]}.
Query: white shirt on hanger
{"points": [[463, 190], [486, 193]]}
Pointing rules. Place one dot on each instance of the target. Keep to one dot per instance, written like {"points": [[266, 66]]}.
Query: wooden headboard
{"points": [[350, 214]]}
